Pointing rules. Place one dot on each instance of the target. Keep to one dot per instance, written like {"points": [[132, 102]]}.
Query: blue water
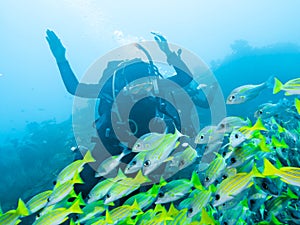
{"points": [[242, 43]]}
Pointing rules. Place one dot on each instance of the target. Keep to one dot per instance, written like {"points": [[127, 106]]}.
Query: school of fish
{"points": [[254, 177]]}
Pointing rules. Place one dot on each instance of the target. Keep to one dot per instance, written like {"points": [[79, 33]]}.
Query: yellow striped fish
{"points": [[234, 185], [289, 175]]}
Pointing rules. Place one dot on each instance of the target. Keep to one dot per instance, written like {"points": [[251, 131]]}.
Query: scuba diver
{"points": [[150, 109]]}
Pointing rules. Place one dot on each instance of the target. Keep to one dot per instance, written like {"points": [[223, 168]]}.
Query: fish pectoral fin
{"points": [[168, 159], [288, 94], [65, 219], [250, 184], [178, 195], [232, 195]]}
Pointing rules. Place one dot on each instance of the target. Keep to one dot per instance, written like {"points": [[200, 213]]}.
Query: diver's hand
{"points": [[56, 47], [162, 43]]}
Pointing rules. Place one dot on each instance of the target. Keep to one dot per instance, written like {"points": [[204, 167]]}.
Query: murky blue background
{"points": [[242, 41]]}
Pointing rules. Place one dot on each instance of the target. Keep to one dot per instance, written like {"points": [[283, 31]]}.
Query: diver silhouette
{"points": [[144, 111]]}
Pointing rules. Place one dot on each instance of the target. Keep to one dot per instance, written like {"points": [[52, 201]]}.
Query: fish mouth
{"points": [[90, 200], [146, 172], [228, 102], [106, 201]]}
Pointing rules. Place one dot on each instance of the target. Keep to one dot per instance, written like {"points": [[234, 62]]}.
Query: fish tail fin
{"points": [[75, 208], [172, 210], [162, 182], [206, 218], [154, 190], [88, 157], [126, 151], [196, 181], [140, 178], [258, 125], [77, 179], [270, 82], [263, 146], [22, 209], [255, 172], [135, 206], [277, 86], [297, 105], [72, 222], [80, 199], [120, 175], [108, 218], [212, 188], [269, 169], [159, 208], [177, 132], [291, 194]]}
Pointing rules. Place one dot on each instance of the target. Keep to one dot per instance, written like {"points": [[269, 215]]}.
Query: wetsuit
{"points": [[141, 113]]}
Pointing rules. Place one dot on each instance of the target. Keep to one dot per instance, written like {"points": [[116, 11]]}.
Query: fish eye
{"points": [[207, 179], [158, 213], [264, 185], [161, 194], [54, 182], [147, 163], [108, 195], [201, 137], [71, 199], [224, 154], [190, 210], [133, 162], [236, 136], [76, 217], [38, 215], [225, 223], [133, 217], [232, 97], [274, 147], [181, 163], [222, 125], [232, 160], [217, 197], [224, 176]]}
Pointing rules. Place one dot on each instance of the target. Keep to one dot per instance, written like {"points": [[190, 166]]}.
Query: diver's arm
{"points": [[183, 75], [70, 81], [73, 86]]}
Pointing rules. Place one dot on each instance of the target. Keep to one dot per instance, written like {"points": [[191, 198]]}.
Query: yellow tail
{"points": [[277, 86], [88, 157], [75, 208], [269, 169], [297, 105], [140, 178], [22, 209], [256, 173]]}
